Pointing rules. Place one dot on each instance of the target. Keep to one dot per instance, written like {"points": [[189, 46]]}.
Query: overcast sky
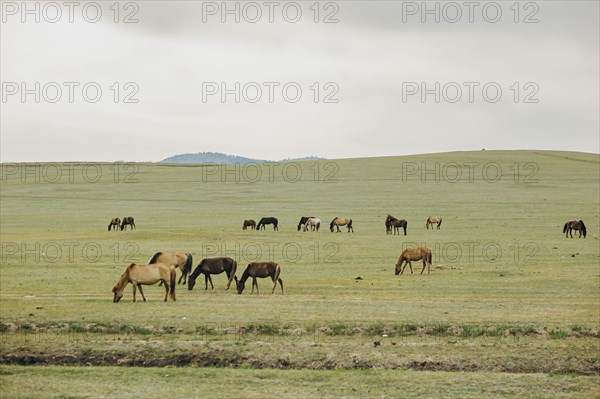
{"points": [[368, 79]]}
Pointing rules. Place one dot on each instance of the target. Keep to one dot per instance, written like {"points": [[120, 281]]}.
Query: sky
{"points": [[144, 80]]}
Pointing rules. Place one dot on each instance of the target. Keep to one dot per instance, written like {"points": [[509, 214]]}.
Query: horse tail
{"points": [[583, 229], [154, 259], [565, 228], [440, 223], [173, 282], [187, 268], [429, 257], [110, 224], [232, 275]]}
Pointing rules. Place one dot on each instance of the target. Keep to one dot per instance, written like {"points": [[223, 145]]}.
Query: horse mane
{"points": [[188, 264], [154, 259], [124, 279]]}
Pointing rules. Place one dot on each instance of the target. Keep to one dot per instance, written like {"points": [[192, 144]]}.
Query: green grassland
{"points": [[515, 295]]}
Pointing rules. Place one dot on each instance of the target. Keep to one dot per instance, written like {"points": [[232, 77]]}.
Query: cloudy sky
{"points": [[272, 80]]}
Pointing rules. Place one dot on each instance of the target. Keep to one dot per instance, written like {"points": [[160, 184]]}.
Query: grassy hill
{"points": [[509, 270]]}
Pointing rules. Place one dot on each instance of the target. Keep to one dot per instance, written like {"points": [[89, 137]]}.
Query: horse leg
{"points": [[424, 264], [167, 286], [212, 287], [133, 285], [205, 281], [141, 292], [409, 265], [254, 283]]}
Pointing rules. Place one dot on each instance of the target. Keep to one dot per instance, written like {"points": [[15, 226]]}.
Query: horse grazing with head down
{"points": [[249, 223], [313, 224], [181, 260], [139, 275], [410, 254], [303, 220], [210, 266], [128, 220], [337, 222], [268, 220], [576, 225], [431, 220], [114, 224], [391, 223], [260, 270]]}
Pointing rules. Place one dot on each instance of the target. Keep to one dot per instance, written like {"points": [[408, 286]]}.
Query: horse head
{"points": [[191, 282], [239, 286], [118, 294], [398, 269]]}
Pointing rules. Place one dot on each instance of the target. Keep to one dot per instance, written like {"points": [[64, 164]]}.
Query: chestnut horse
{"points": [[574, 225], [409, 254], [128, 220], [260, 270], [139, 275], [337, 222], [210, 266], [431, 220], [249, 223], [114, 224], [178, 259]]}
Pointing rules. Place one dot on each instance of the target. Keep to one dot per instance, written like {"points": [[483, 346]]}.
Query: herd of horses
{"points": [[116, 223], [161, 267]]}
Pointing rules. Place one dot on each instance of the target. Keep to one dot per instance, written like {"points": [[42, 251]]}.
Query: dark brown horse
{"points": [[268, 220], [249, 223], [303, 220], [181, 260], [260, 270], [337, 222], [391, 223], [139, 275], [431, 220], [409, 254], [210, 266], [128, 220], [576, 225], [114, 224]]}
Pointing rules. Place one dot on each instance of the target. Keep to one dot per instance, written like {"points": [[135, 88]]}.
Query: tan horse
{"points": [[249, 223], [139, 275], [260, 270], [409, 254], [178, 259], [576, 225], [431, 220], [337, 222], [114, 224]]}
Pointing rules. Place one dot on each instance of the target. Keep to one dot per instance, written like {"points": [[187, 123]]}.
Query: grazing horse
{"points": [[313, 223], [431, 220], [249, 223], [178, 259], [146, 275], [574, 225], [409, 254], [210, 266], [303, 220], [114, 224], [268, 220], [391, 223], [260, 270], [128, 220], [337, 222]]}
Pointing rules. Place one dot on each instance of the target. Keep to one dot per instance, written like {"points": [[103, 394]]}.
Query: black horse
{"points": [[210, 266], [269, 220], [128, 220], [302, 221], [393, 225], [574, 225]]}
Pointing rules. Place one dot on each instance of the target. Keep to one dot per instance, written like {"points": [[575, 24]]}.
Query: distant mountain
{"points": [[220, 158]]}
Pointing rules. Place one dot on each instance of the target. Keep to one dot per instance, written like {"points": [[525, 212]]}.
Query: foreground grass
{"points": [[103, 382]]}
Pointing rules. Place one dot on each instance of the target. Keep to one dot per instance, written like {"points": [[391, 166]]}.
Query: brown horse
{"points": [[391, 223], [260, 270], [574, 225], [128, 220], [210, 266], [337, 222], [249, 223], [431, 220], [178, 259], [114, 224], [409, 254], [139, 275]]}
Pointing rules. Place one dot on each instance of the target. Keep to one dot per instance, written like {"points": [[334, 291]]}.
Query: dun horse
{"points": [[114, 224], [249, 223], [210, 266], [128, 220], [268, 220], [260, 270], [337, 222], [313, 223], [303, 220], [410, 254], [431, 220], [574, 225], [139, 275], [393, 224], [178, 259]]}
